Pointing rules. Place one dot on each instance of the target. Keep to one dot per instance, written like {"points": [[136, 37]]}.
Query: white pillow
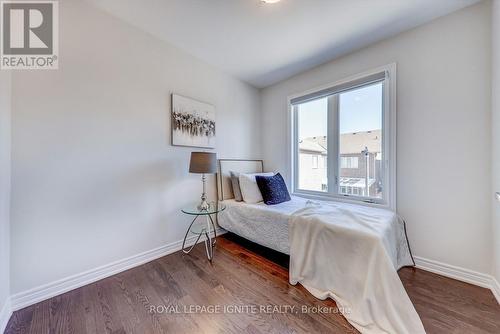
{"points": [[249, 189]]}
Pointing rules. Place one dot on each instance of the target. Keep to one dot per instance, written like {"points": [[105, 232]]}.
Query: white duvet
{"points": [[351, 254]]}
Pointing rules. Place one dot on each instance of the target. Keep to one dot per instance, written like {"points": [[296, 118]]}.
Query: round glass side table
{"points": [[202, 228]]}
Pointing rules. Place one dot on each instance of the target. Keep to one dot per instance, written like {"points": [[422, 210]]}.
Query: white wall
{"points": [[5, 114], [496, 129], [443, 145], [95, 178]]}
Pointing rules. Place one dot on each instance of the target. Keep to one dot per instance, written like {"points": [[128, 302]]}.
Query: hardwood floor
{"points": [[146, 299]]}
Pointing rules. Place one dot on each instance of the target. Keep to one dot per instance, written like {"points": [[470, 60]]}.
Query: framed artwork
{"points": [[193, 122]]}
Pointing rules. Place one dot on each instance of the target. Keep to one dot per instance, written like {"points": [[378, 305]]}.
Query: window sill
{"points": [[343, 199]]}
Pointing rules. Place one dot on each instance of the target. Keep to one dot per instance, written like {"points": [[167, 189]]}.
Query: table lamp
{"points": [[203, 163]]}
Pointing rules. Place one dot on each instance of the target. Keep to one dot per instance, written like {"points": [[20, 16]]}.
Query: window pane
{"points": [[349, 162], [360, 144], [312, 121]]}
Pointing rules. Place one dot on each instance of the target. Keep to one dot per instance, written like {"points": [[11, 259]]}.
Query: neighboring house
{"points": [[313, 165], [360, 163]]}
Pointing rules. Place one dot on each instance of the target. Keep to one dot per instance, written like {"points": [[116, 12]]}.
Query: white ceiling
{"points": [[263, 44]]}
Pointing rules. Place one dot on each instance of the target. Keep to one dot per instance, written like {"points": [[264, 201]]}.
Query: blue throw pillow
{"points": [[273, 189]]}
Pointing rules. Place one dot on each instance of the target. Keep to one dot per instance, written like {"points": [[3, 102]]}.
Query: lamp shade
{"points": [[203, 163]]}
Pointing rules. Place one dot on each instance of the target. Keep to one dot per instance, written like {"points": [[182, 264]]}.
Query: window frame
{"points": [[333, 160]]}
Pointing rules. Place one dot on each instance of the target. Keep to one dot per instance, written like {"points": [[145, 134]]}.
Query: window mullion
{"points": [[333, 144], [295, 148]]}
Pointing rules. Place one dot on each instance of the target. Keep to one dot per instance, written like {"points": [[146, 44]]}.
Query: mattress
{"points": [[264, 224]]}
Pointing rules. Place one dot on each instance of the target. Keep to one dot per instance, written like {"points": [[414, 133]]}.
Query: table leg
{"points": [[185, 237], [215, 231], [208, 246]]}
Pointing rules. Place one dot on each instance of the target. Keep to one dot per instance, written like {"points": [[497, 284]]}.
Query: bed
{"points": [[347, 252], [268, 225], [260, 223]]}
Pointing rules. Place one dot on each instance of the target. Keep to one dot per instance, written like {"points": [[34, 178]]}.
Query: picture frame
{"points": [[193, 122]]}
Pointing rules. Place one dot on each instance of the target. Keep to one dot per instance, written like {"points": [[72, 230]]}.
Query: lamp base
{"points": [[203, 206]]}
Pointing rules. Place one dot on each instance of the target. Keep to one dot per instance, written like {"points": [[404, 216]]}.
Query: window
{"points": [[348, 162], [348, 125], [312, 142], [314, 162]]}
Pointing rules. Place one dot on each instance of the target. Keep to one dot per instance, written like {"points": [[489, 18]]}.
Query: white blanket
{"points": [[351, 254]]}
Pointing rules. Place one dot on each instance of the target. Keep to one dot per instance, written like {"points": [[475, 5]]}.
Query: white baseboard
{"points": [[495, 288], [461, 274], [458, 273], [5, 314], [46, 291]]}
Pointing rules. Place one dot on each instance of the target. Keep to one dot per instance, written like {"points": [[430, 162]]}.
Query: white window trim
{"points": [[389, 156]]}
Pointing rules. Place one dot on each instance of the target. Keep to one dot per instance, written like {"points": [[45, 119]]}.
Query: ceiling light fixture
{"points": [[270, 1]]}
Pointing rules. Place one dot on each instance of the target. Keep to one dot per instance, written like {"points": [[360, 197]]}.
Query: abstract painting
{"points": [[193, 122]]}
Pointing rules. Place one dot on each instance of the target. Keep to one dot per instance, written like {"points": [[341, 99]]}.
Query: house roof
{"points": [[357, 182], [311, 146], [350, 143]]}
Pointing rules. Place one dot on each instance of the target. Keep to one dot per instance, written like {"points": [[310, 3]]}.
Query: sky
{"points": [[360, 110]]}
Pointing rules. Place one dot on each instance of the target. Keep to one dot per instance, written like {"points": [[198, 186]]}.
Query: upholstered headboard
{"points": [[224, 187]]}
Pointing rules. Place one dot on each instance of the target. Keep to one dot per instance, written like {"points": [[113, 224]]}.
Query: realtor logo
{"points": [[29, 35]]}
